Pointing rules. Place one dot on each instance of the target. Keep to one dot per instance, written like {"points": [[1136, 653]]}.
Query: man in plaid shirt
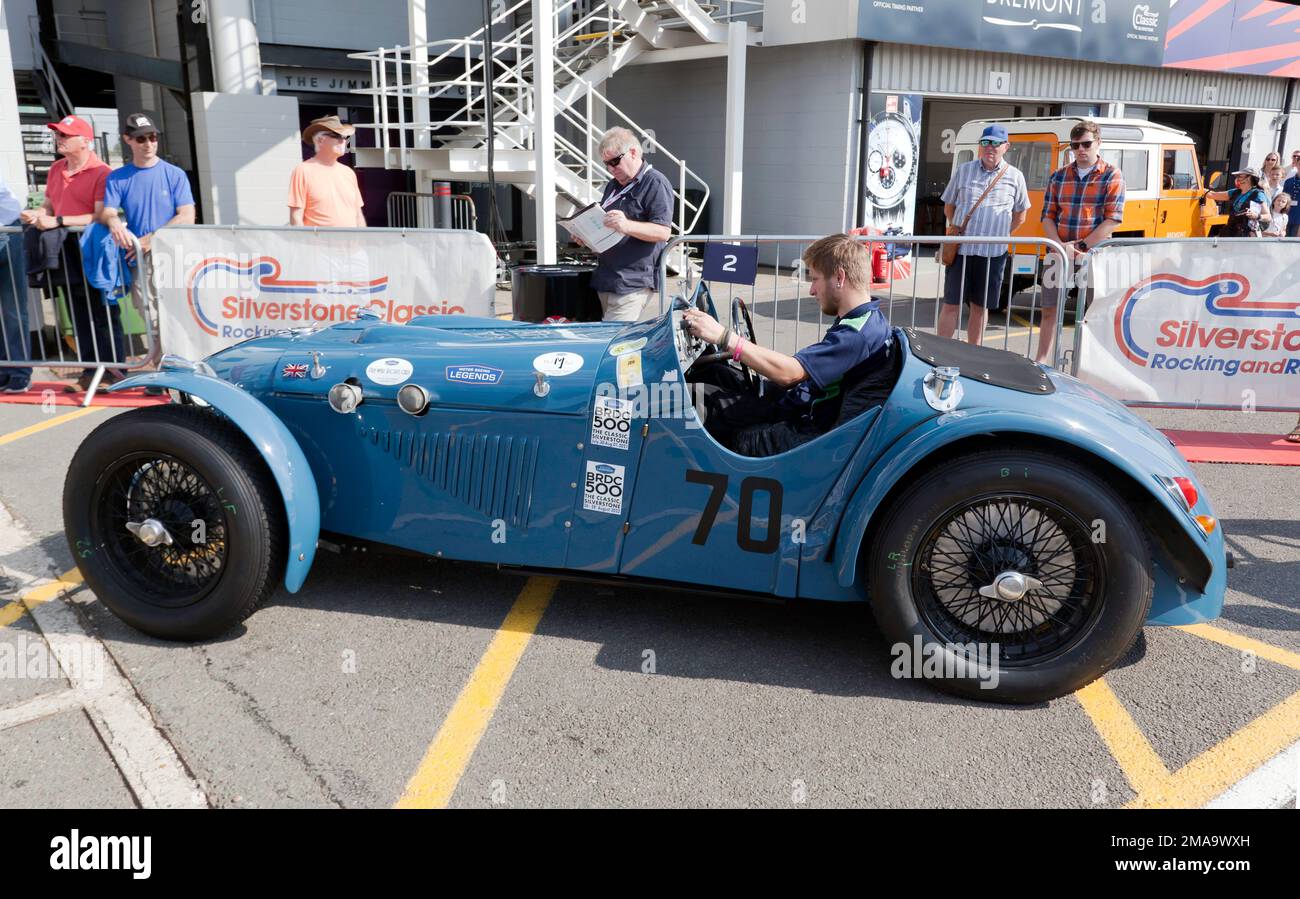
{"points": [[1083, 204]]}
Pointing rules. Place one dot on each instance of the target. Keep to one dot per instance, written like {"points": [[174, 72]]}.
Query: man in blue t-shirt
{"points": [[150, 191], [846, 372]]}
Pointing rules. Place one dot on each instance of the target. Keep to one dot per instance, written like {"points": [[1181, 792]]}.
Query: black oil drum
{"points": [[554, 292]]}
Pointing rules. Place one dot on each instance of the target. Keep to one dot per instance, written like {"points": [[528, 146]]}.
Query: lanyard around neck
{"points": [[645, 167]]}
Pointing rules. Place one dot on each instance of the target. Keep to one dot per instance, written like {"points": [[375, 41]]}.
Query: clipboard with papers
{"points": [[588, 223]]}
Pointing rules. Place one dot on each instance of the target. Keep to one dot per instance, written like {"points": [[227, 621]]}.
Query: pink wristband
{"points": [[740, 346]]}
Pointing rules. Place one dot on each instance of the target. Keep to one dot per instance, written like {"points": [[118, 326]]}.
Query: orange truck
{"points": [[1162, 178]]}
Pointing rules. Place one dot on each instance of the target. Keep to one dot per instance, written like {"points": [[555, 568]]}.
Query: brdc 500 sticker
{"points": [[389, 371], [602, 490], [611, 422]]}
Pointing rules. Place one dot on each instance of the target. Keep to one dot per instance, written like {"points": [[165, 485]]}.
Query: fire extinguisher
{"points": [[879, 262]]}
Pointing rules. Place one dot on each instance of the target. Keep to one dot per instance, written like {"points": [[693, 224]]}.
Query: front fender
{"points": [[278, 447], [936, 433]]}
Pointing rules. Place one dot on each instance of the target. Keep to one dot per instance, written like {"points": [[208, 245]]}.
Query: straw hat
{"points": [[326, 123]]}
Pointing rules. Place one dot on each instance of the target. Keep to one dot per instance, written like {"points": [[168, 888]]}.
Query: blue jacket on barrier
{"points": [[105, 263]]}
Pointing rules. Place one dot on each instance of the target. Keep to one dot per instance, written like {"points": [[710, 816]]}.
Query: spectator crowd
{"points": [[92, 271]]}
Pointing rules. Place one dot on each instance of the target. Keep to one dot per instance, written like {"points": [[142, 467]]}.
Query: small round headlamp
{"points": [[345, 397], [413, 399]]}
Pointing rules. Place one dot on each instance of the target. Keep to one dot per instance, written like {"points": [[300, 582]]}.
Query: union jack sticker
{"points": [[294, 370]]}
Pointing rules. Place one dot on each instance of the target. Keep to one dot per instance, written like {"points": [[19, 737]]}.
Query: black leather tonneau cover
{"points": [[981, 363]]}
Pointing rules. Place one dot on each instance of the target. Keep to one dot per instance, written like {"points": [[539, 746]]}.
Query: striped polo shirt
{"points": [[993, 218]]}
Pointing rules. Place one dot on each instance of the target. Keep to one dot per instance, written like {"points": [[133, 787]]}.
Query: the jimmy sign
{"points": [[1196, 323], [218, 286]]}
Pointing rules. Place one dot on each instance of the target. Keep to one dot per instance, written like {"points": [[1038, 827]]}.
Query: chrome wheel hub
{"points": [[150, 532], [1010, 586]]}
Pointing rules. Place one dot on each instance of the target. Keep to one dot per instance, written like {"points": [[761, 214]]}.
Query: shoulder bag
{"points": [[948, 251]]}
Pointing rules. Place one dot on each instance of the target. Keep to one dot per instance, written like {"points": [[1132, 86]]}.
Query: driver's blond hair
{"points": [[839, 251]]}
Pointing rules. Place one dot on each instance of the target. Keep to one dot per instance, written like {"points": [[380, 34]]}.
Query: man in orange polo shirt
{"points": [[323, 192], [74, 195]]}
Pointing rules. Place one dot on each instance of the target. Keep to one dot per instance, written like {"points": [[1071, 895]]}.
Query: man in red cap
{"points": [[74, 189], [74, 196]]}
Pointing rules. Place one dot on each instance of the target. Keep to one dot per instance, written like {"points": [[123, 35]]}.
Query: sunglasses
{"points": [[146, 139], [616, 160], [1081, 144], [991, 143]]}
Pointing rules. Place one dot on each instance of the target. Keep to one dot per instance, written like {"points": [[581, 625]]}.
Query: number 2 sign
{"points": [[730, 262]]}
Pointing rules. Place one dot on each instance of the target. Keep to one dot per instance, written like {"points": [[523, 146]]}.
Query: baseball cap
{"points": [[74, 126], [138, 123], [994, 132]]}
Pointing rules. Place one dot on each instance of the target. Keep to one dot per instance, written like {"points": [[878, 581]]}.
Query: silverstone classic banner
{"points": [[1195, 323], [218, 285]]}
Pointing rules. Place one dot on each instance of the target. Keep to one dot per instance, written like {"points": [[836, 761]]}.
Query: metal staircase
{"points": [[593, 40]]}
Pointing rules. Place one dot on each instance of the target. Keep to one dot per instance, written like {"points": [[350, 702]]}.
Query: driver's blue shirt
{"points": [[855, 343]]}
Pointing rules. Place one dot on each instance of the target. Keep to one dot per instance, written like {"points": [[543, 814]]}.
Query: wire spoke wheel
{"points": [[1011, 569], [180, 568]]}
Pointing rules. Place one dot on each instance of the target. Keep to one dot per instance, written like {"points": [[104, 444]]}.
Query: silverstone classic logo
{"points": [[1230, 340], [264, 301]]}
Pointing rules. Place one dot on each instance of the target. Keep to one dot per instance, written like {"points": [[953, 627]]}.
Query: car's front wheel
{"points": [[1016, 577], [174, 521]]}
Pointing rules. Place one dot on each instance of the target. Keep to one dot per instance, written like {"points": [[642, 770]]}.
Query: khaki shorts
{"points": [[626, 307], [1052, 292]]}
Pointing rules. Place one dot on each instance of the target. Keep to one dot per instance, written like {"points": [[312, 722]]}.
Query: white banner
{"points": [[219, 285], [1196, 323]]}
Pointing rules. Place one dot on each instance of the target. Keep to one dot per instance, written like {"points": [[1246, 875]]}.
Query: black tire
{"points": [[178, 465], [964, 523]]}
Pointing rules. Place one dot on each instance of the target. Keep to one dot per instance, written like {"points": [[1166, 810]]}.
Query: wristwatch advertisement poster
{"points": [[893, 158]]}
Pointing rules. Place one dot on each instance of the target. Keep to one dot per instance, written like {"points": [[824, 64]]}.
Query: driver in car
{"points": [[805, 394]]}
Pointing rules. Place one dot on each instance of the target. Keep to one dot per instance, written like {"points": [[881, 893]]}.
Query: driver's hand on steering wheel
{"points": [[703, 325]]}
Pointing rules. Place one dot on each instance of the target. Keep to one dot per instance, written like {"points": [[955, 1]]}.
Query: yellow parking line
{"points": [[42, 425], [1219, 767], [1245, 644], [1143, 768], [12, 611], [449, 754]]}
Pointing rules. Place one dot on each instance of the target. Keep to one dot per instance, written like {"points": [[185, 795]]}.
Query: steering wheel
{"points": [[743, 326]]}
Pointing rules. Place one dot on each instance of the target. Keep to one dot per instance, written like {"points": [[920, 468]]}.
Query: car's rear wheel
{"points": [[1017, 576], [174, 521]]}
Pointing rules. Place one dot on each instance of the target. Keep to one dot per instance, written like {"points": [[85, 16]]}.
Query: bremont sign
{"points": [[1123, 31]]}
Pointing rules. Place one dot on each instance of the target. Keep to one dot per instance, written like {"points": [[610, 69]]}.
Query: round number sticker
{"points": [[389, 371], [557, 364]]}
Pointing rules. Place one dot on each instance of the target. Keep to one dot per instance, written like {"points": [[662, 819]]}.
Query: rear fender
{"points": [[272, 439]]}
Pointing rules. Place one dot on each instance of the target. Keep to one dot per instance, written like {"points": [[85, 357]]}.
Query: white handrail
{"points": [[511, 93]]}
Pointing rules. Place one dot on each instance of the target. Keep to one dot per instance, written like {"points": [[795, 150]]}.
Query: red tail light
{"points": [[1188, 489]]}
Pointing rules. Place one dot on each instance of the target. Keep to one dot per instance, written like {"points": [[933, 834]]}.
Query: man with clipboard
{"points": [[638, 204]]}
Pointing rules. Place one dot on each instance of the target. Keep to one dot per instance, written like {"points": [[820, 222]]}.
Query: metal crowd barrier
{"points": [[911, 293], [68, 324], [407, 209]]}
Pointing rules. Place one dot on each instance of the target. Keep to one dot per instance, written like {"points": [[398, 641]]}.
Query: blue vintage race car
{"points": [[1007, 522]]}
